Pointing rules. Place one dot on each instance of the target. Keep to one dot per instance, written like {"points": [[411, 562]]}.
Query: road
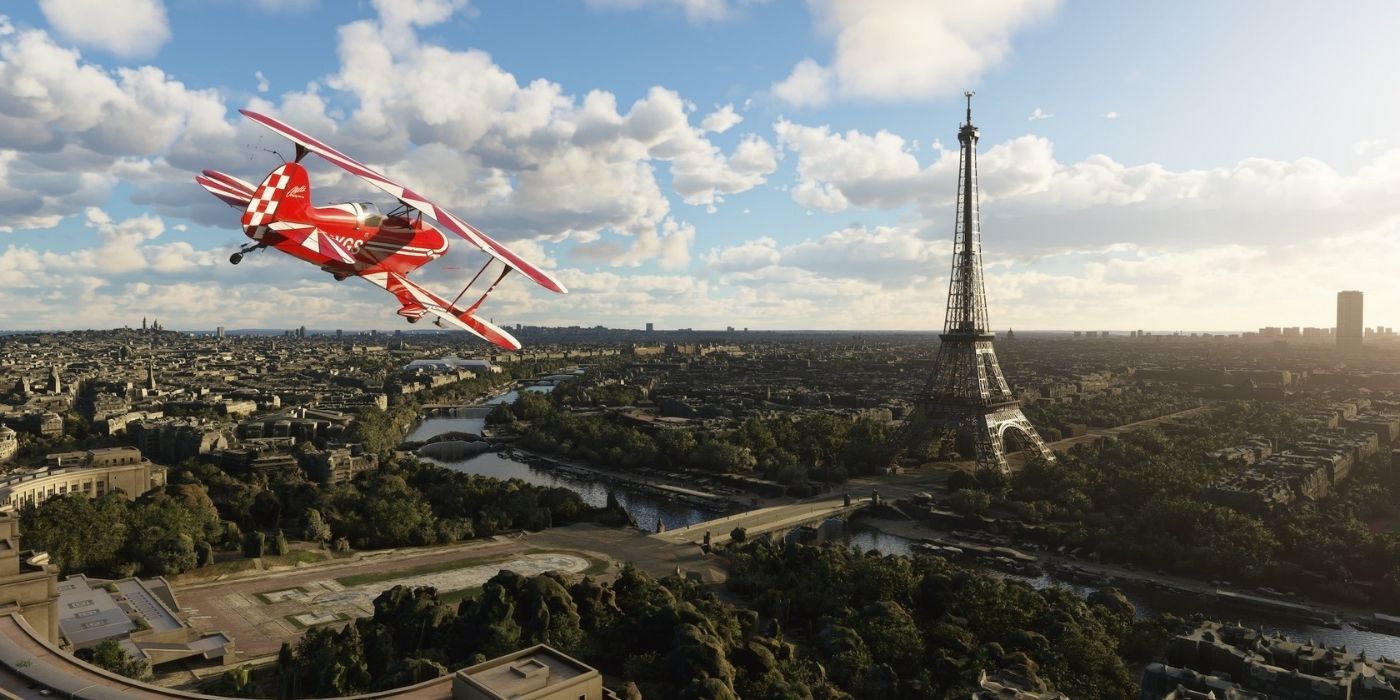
{"points": [[1018, 460], [762, 520], [259, 623]]}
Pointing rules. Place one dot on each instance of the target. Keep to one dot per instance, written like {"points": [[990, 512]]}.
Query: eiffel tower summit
{"points": [[966, 399]]}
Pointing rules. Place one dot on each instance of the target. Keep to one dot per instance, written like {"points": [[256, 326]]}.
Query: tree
{"points": [[112, 657], [724, 457], [253, 544], [232, 536], [279, 545], [315, 529], [969, 502], [80, 534], [169, 555], [203, 554]]}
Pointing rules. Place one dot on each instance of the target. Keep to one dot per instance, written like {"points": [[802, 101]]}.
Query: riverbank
{"points": [[649, 481], [1153, 593]]}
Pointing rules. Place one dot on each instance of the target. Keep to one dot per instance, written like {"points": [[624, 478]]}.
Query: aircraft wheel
{"points": [[340, 278], [412, 319], [235, 258]]}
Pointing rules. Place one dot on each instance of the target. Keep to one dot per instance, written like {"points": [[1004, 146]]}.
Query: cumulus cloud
{"points": [[1096, 200], [263, 85], [523, 161], [721, 120], [886, 256], [531, 160], [1037, 114], [695, 10], [836, 171], [1111, 115], [906, 49], [68, 126], [399, 17], [668, 244], [125, 28]]}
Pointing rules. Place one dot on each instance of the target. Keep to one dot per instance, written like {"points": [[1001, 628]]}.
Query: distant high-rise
{"points": [[220, 333], [650, 327], [1349, 320]]}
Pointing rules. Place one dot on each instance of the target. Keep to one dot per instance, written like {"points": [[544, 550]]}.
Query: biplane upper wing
{"points": [[445, 218], [414, 296]]}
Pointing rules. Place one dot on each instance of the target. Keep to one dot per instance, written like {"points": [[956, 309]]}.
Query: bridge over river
{"points": [[761, 521]]}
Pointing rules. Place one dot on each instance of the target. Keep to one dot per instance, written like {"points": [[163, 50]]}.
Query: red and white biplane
{"points": [[355, 240]]}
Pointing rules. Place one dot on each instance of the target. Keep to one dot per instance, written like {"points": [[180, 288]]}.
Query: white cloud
{"points": [[1367, 146], [668, 244], [721, 120], [126, 28], [285, 6], [399, 17], [6, 26], [837, 171], [841, 171], [1111, 115], [696, 11], [1038, 114], [263, 85], [885, 256], [67, 127], [906, 49], [520, 160]]}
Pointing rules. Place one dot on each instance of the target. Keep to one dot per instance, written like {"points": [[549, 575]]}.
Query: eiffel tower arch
{"points": [[966, 404]]}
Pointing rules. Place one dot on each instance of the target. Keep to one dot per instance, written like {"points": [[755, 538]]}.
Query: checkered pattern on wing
{"points": [[264, 202]]}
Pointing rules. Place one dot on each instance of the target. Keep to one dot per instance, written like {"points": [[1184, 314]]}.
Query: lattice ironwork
{"points": [[966, 399]]}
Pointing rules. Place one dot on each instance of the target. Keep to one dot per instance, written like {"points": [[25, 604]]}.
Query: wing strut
{"points": [[474, 279], [504, 272]]}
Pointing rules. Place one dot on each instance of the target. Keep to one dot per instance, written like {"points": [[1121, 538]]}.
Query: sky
{"points": [[771, 164]]}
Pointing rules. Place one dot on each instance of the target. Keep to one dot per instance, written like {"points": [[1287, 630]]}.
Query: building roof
{"points": [[525, 673], [89, 615]]}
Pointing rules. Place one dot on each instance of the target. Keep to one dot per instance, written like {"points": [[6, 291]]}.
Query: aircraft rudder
{"points": [[283, 194]]}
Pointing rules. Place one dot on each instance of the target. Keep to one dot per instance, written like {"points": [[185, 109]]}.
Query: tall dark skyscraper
{"points": [[966, 397], [1350, 323]]}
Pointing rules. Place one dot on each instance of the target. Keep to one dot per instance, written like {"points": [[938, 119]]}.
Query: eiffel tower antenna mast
{"points": [[967, 397]]}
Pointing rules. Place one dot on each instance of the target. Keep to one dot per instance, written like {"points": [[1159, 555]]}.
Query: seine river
{"points": [[438, 425], [645, 508]]}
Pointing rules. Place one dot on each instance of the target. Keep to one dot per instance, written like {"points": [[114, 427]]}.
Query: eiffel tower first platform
{"points": [[966, 398]]}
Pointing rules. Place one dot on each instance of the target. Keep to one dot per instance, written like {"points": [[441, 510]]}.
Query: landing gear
{"points": [[413, 319], [339, 277], [238, 257]]}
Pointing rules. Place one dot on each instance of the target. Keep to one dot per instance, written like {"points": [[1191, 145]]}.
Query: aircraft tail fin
{"points": [[283, 195]]}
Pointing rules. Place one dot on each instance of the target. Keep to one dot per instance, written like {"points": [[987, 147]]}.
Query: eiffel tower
{"points": [[966, 398]]}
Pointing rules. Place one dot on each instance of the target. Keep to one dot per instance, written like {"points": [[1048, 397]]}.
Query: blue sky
{"points": [[1191, 165]]}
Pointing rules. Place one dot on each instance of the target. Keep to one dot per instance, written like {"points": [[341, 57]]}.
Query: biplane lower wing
{"points": [[416, 299]]}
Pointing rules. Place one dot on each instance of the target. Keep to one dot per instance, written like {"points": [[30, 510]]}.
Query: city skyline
{"points": [[792, 178]]}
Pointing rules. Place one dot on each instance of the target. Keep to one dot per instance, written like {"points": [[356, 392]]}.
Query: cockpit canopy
{"points": [[367, 214]]}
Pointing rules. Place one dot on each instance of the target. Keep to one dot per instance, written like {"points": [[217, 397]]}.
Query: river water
{"points": [[1149, 602], [645, 508], [437, 425]]}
